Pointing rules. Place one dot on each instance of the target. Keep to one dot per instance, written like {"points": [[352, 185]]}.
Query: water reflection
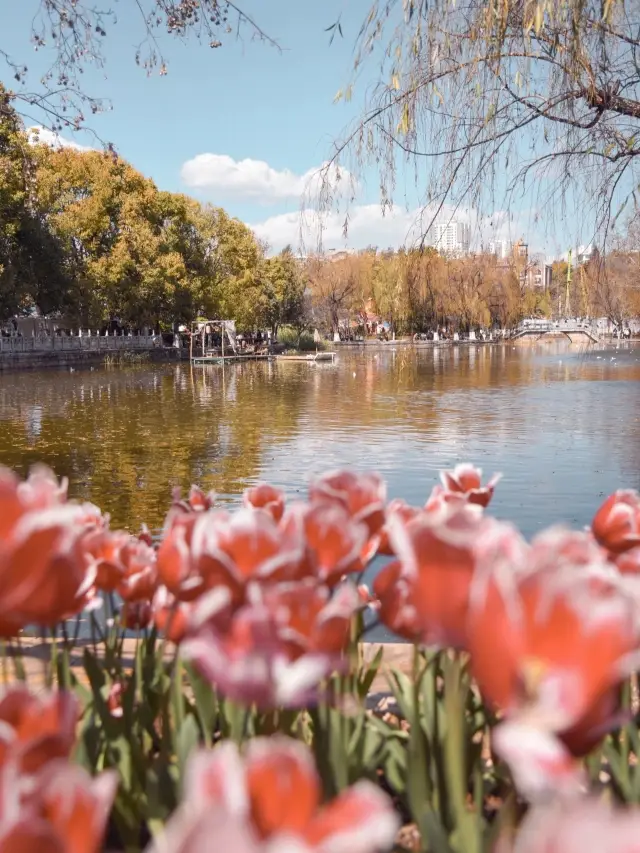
{"points": [[563, 424]]}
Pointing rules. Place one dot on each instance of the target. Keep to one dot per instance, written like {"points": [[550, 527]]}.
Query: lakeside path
{"points": [[35, 651]]}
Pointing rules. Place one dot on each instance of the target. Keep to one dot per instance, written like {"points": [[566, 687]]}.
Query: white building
{"points": [[499, 248], [583, 254], [451, 238]]}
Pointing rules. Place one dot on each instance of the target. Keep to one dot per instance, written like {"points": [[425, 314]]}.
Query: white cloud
{"points": [[369, 225], [254, 180], [366, 227], [42, 136]]}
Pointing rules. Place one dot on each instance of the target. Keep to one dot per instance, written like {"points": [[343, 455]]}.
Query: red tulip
{"points": [[405, 512], [552, 645], [362, 495], [428, 590], [137, 615], [539, 762], [36, 729], [334, 542], [276, 649], [558, 546], [580, 825], [67, 812], [44, 568], [396, 607], [466, 480], [267, 498], [210, 549], [196, 501], [170, 616], [629, 562], [616, 525], [270, 800]]}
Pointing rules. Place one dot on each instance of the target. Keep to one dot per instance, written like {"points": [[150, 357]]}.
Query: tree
{"points": [[492, 97], [31, 258], [15, 181], [76, 32], [234, 257], [283, 289], [333, 288]]}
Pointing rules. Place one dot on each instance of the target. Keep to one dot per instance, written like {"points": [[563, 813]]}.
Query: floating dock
{"points": [[226, 359], [311, 357]]}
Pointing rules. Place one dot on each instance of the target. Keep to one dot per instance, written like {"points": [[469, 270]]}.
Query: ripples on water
{"points": [[563, 425]]}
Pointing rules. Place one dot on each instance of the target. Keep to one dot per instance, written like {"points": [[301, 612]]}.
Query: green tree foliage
{"points": [[283, 291], [145, 256], [31, 258], [85, 234]]}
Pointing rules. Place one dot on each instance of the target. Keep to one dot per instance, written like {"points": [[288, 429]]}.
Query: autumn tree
{"points": [[490, 98], [141, 254], [333, 286]]}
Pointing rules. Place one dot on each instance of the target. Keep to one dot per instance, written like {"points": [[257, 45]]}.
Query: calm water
{"points": [[562, 424]]}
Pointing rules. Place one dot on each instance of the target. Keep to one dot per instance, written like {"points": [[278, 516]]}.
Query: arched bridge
{"points": [[571, 329]]}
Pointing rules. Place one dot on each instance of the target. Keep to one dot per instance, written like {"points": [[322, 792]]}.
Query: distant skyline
{"points": [[246, 127]]}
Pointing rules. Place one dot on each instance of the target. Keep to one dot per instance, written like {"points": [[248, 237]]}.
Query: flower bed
{"points": [[223, 700]]}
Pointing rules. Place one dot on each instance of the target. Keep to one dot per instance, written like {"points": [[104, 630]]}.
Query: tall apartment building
{"points": [[499, 248], [451, 238]]}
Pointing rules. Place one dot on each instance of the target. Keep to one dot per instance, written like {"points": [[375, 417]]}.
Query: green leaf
{"points": [[186, 741], [206, 703], [368, 673]]}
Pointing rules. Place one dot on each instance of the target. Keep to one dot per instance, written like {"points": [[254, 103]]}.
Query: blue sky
{"points": [[245, 125]]}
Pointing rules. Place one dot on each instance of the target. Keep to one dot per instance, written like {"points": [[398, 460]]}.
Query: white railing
{"points": [[84, 343]]}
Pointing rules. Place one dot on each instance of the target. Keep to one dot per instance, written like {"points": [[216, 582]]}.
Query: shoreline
{"points": [[18, 361], [35, 651]]}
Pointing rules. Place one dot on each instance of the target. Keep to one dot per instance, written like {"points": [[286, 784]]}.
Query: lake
{"points": [[561, 423]]}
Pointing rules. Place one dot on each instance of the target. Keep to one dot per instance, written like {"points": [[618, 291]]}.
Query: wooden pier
{"points": [[226, 359], [311, 357]]}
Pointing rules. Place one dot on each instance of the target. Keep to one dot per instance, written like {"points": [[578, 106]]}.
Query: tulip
{"points": [[466, 480], [137, 615], [44, 568], [586, 824], [425, 595], [170, 616], [362, 495], [335, 543], [140, 579], [267, 498], [616, 525], [551, 646], [405, 512], [67, 812], [558, 546], [44, 571], [396, 608], [540, 763], [277, 648], [202, 551], [35, 730], [629, 562], [269, 799], [197, 500], [104, 549]]}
